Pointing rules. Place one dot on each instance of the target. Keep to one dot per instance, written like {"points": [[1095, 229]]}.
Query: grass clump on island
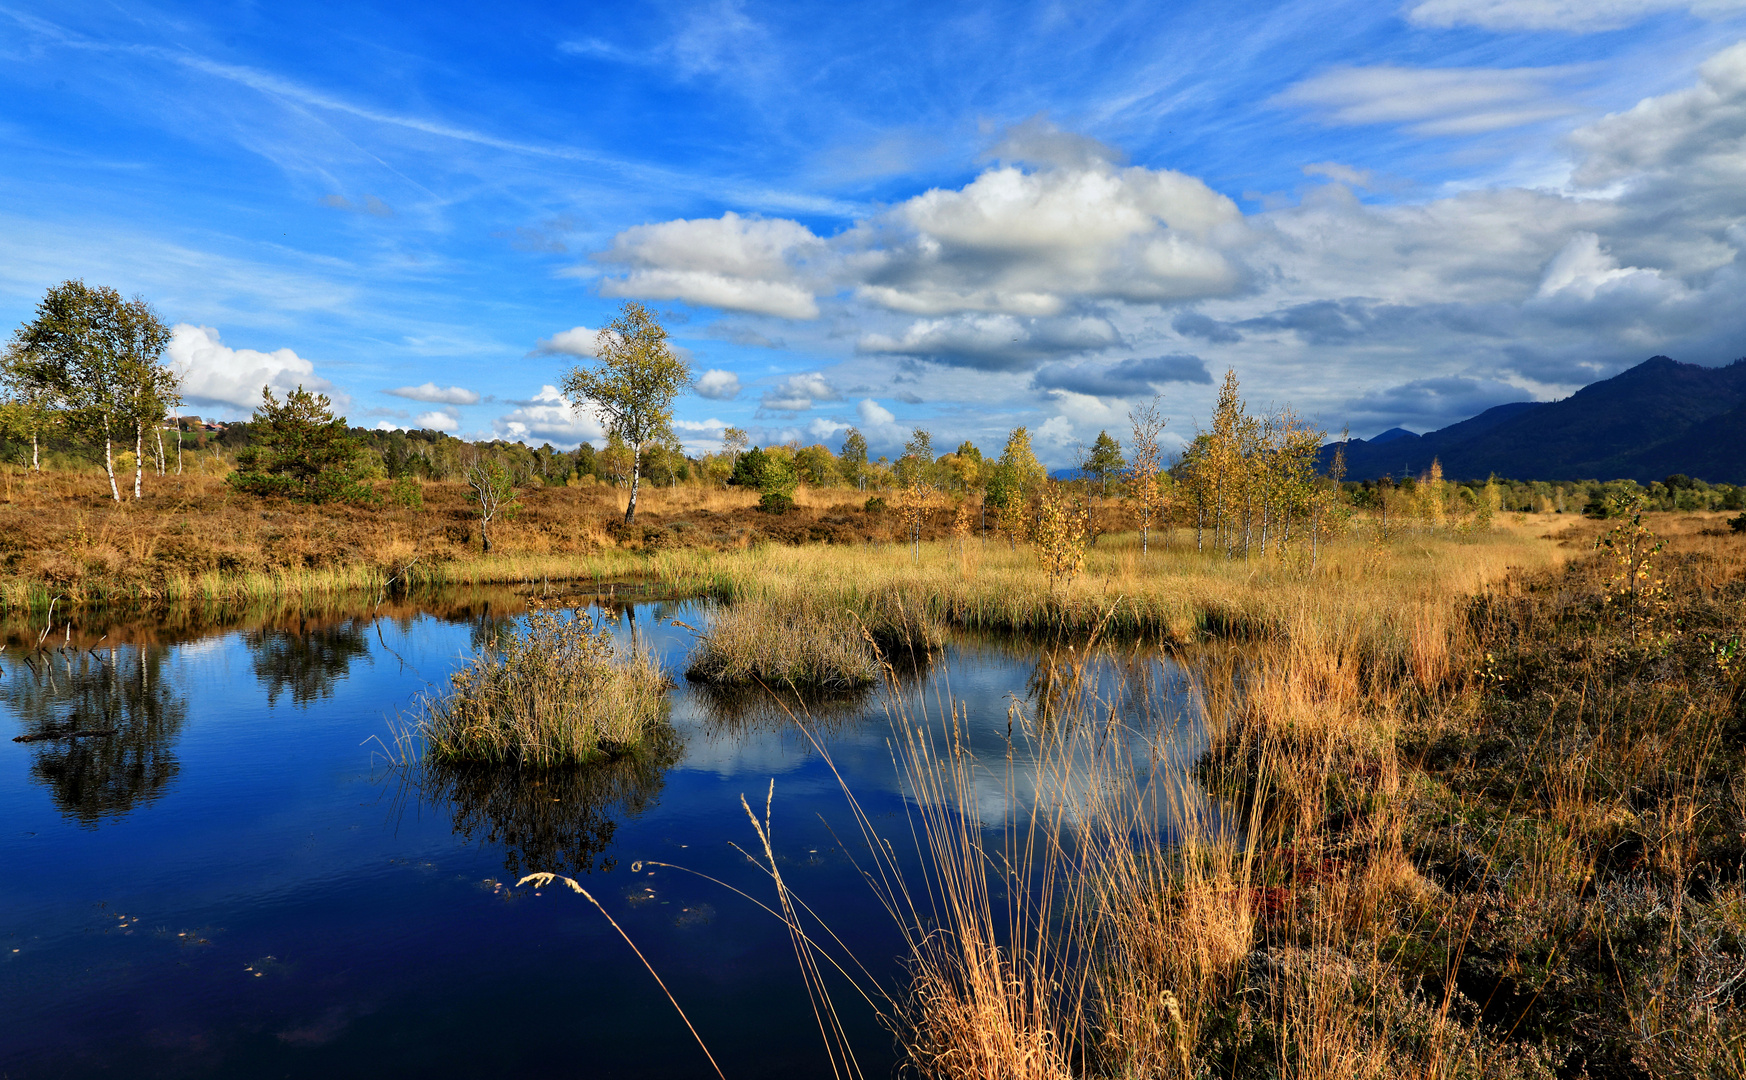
{"points": [[555, 693], [809, 642]]}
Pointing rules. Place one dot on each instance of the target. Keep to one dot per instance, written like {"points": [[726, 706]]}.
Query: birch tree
{"points": [[102, 357], [632, 386], [1145, 468]]}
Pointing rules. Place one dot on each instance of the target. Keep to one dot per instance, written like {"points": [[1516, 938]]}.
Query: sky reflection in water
{"points": [[236, 883]]}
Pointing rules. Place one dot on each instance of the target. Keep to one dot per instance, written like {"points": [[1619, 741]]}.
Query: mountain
{"points": [[1658, 418]]}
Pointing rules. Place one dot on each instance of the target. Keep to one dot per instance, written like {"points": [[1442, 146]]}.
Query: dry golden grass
{"points": [[551, 694]]}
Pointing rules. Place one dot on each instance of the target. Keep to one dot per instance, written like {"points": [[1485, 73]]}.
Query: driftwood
{"points": [[46, 736]]}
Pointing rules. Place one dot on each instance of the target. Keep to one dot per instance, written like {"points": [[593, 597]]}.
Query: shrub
{"points": [[406, 492], [875, 505], [774, 502], [1738, 524], [554, 694]]}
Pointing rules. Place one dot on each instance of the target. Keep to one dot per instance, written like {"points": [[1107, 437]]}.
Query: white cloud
{"points": [[1056, 431], [873, 414], [1341, 174], [576, 341], [1037, 141], [436, 395], [798, 392], [1578, 16], [1032, 244], [1431, 101], [1701, 132], [735, 263], [440, 420], [548, 417], [822, 429], [1035, 243], [718, 385], [214, 374]]}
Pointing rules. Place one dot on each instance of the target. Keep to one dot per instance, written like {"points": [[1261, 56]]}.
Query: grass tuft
{"points": [[553, 694]]}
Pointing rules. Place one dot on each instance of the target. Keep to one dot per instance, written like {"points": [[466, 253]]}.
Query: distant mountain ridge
{"points": [[1658, 418]]}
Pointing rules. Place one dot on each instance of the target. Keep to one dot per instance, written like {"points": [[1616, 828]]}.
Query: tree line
{"points": [[86, 372]]}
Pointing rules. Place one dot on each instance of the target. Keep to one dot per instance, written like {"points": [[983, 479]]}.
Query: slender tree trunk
{"points": [[138, 456], [35, 453], [630, 511], [109, 461]]}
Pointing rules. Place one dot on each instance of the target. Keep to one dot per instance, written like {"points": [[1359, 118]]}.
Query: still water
{"points": [[239, 881]]}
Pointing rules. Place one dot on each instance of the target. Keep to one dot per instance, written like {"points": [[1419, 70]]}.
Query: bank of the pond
{"points": [[1392, 594]]}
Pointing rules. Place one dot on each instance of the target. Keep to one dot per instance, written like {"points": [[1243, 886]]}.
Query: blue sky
{"points": [[891, 215]]}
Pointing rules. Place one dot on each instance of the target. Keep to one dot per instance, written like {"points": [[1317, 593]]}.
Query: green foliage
{"points": [[1104, 460], [778, 478], [749, 470], [874, 505], [95, 355], [774, 502], [1018, 456], [406, 492], [300, 451], [632, 386]]}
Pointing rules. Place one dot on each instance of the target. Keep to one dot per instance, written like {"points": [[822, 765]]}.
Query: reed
{"points": [[552, 694], [805, 645]]}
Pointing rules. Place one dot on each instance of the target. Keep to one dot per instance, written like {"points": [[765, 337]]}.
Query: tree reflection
{"points": [[306, 660], [558, 820], [66, 691]]}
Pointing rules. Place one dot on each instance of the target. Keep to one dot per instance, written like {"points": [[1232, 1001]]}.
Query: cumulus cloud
{"points": [[735, 263], [822, 429], [1056, 431], [1026, 243], [548, 417], [1696, 133], [1127, 378], [1577, 16], [1058, 254], [1037, 141], [438, 420], [797, 393], [1431, 101], [873, 413], [718, 385], [214, 374], [576, 341], [1037, 243], [436, 395], [995, 342]]}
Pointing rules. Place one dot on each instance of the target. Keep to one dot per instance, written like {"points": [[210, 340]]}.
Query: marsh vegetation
{"points": [[554, 692]]}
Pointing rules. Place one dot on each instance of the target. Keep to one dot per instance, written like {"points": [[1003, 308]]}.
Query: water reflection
{"points": [[60, 697], [741, 710], [306, 659], [559, 820]]}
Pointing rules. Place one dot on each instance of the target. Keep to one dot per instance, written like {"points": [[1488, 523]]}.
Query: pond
{"points": [[240, 881]]}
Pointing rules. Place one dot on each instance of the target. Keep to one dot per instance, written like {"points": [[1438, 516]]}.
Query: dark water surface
{"points": [[238, 883]]}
